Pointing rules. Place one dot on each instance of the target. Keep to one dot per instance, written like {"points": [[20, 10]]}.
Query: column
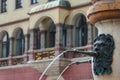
{"points": [[69, 36], [26, 43], [58, 40], [31, 46], [26, 47], [42, 37], [10, 50]]}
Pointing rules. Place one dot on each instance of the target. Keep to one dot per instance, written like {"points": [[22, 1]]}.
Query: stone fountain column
{"points": [[105, 15]]}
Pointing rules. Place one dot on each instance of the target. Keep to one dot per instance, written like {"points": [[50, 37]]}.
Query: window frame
{"points": [[37, 38], [18, 4], [51, 31], [5, 46], [34, 1], [52, 35], [20, 43], [3, 6], [64, 36], [81, 31]]}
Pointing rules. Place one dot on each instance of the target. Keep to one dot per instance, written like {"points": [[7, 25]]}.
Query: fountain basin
{"points": [[103, 10]]}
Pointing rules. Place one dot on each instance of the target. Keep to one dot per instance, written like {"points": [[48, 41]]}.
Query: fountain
{"points": [[102, 55], [105, 15], [57, 57], [89, 61]]}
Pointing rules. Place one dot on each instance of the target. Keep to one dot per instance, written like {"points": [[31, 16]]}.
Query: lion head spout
{"points": [[103, 46]]}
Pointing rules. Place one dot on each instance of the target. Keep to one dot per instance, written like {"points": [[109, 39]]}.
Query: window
{"points": [[3, 6], [50, 36], [20, 43], [52, 31], [34, 1], [81, 31], [37, 38], [5, 46], [18, 4], [64, 36]]}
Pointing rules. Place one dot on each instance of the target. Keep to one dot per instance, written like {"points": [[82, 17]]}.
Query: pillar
{"points": [[42, 37], [105, 15], [10, 50], [69, 36], [31, 46], [26, 47], [58, 40], [26, 43]]}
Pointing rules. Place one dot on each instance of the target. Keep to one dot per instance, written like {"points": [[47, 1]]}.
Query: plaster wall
{"points": [[11, 28]]}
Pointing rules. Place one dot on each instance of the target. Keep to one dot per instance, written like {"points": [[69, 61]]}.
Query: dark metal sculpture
{"points": [[102, 54], [103, 46]]}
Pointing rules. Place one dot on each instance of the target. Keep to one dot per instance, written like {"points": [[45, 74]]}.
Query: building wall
{"points": [[20, 19], [13, 14], [17, 14], [19, 73], [78, 72]]}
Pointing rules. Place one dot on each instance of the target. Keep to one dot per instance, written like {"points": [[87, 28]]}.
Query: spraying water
{"points": [[53, 62], [63, 71], [89, 61], [74, 51]]}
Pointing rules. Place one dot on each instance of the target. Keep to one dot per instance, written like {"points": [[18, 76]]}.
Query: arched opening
{"points": [[46, 32], [50, 35], [5, 45], [80, 31], [19, 43]]}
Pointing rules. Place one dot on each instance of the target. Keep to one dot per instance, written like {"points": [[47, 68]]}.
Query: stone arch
{"points": [[37, 21], [74, 17], [2, 33], [47, 25], [79, 22], [45, 22], [16, 31]]}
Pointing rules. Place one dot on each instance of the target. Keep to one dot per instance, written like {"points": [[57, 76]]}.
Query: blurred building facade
{"points": [[34, 32]]}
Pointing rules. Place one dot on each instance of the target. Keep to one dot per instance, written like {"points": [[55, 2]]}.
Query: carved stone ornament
{"points": [[104, 47]]}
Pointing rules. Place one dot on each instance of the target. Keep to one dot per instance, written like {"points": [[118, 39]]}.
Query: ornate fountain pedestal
{"points": [[111, 27], [105, 15]]}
